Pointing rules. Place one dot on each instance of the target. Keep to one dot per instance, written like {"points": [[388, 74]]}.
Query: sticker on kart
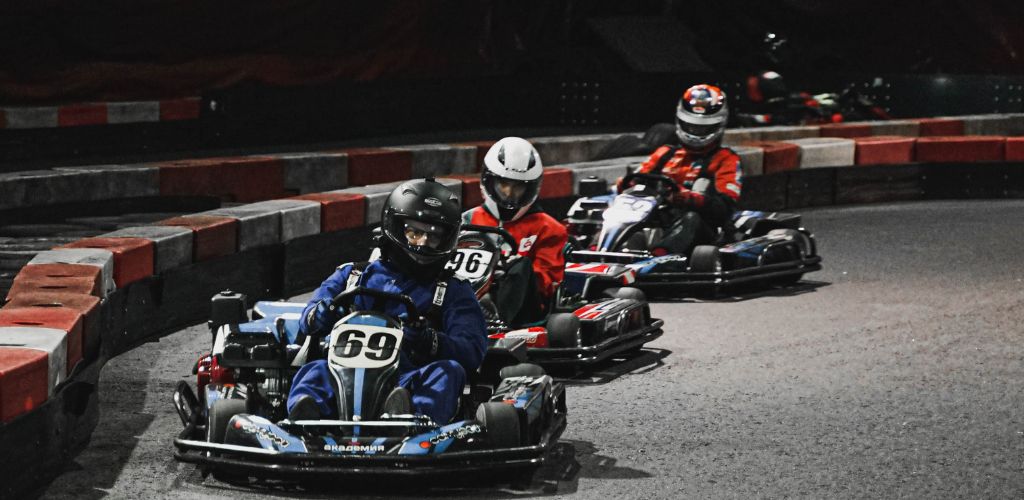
{"points": [[470, 263], [364, 346]]}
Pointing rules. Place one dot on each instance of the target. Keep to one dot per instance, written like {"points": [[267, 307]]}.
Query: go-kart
{"points": [[615, 236], [511, 413], [586, 323]]}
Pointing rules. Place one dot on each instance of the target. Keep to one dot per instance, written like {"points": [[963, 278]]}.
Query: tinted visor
{"points": [[698, 130], [510, 193], [425, 237]]}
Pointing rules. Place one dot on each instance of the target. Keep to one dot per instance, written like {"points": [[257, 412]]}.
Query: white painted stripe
{"points": [[133, 112], [103, 259], [53, 342], [41, 117]]}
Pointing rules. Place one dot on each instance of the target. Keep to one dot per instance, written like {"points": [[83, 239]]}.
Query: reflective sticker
{"points": [[353, 279], [732, 187]]}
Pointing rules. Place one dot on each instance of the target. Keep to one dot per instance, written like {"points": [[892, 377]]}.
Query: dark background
{"points": [[276, 72]]}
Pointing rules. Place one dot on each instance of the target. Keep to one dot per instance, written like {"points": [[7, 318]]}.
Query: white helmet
{"points": [[510, 178], [701, 116]]}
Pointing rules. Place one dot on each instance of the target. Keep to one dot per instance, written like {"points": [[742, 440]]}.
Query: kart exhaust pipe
{"points": [[186, 403]]}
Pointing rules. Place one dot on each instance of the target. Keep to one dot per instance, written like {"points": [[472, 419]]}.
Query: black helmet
{"points": [[420, 227]]}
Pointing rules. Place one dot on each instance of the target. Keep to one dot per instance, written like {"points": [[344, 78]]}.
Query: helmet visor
{"points": [[510, 193], [697, 129], [423, 236]]}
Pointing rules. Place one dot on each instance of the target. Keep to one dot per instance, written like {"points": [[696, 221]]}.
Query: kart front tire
{"points": [[502, 424], [521, 370], [563, 330], [628, 292], [705, 259], [220, 414]]}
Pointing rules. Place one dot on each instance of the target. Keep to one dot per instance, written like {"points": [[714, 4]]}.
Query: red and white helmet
{"points": [[701, 117], [510, 178]]}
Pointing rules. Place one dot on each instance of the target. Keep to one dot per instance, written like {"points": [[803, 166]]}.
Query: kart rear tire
{"points": [[521, 370], [502, 424], [628, 292], [220, 414], [705, 259], [563, 330]]}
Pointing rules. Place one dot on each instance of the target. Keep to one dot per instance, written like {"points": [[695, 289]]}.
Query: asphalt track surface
{"points": [[897, 371]]}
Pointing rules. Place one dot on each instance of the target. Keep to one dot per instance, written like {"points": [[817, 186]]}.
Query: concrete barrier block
{"points": [[133, 112], [570, 149], [607, 173], [557, 183], [481, 148], [825, 152], [24, 381], [471, 194], [49, 340], [66, 320], [881, 150], [133, 257], [39, 187], [1015, 149], [338, 210], [1015, 123], [212, 236], [71, 278], [173, 245], [31, 117], [298, 217], [439, 160], [778, 156], [87, 306], [751, 159], [369, 166], [785, 133], [904, 128], [256, 226], [106, 182], [375, 195], [994, 124], [933, 127], [235, 179], [453, 185], [736, 136], [102, 258], [314, 172], [967, 149], [847, 130]]}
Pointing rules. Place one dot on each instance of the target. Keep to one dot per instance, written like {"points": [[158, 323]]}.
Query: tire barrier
{"points": [[73, 308]]}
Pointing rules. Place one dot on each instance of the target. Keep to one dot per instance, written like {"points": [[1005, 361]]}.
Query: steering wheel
{"points": [[665, 184]]}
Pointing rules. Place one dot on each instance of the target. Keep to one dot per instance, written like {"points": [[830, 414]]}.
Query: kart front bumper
{"points": [[263, 464], [588, 355], [726, 278]]}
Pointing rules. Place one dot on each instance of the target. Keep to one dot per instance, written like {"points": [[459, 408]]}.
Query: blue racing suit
{"points": [[433, 363]]}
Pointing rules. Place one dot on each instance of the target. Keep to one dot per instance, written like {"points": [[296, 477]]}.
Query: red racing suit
{"points": [[721, 167], [541, 238]]}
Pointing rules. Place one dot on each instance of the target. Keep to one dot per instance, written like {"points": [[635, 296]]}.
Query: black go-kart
{"points": [[615, 234], [586, 323], [237, 428]]}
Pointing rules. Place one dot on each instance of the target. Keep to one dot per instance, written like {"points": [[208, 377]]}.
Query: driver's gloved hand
{"points": [[423, 342], [687, 198], [319, 318]]}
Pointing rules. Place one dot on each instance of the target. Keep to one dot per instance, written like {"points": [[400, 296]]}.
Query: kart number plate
{"points": [[628, 209], [470, 263], [364, 346]]}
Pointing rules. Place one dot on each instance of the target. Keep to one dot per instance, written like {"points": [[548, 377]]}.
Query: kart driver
{"points": [[510, 180], [708, 175], [420, 227]]}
